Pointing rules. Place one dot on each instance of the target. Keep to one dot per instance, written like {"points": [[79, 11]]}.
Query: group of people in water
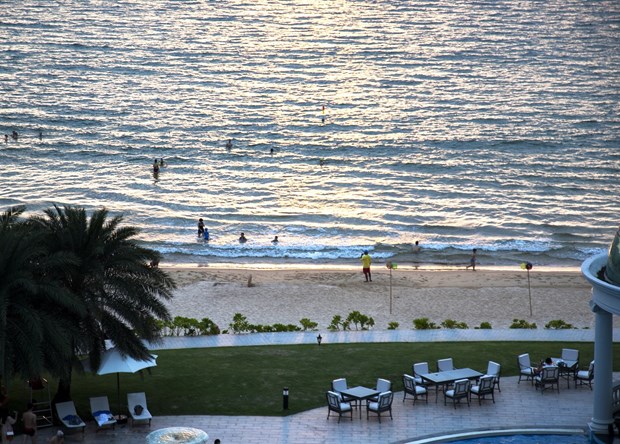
{"points": [[15, 136], [203, 233], [157, 164]]}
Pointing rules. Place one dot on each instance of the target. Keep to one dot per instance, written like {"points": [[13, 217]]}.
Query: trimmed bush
{"points": [[522, 323], [393, 325], [558, 324], [424, 324], [451, 324]]}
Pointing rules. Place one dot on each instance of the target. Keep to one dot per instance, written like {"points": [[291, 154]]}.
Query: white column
{"points": [[603, 352]]}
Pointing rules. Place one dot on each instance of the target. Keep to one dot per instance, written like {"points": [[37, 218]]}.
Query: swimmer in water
{"points": [[156, 166], [242, 238], [161, 162], [229, 144], [275, 240]]}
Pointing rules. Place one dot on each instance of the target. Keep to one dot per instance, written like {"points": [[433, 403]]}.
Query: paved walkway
{"points": [[516, 406]]}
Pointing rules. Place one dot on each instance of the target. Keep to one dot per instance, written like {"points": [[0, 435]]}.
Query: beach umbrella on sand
{"points": [[114, 361]]}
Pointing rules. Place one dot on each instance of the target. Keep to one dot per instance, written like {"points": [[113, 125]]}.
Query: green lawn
{"points": [[249, 380]]}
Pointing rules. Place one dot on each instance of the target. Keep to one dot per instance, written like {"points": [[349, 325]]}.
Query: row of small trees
{"points": [[182, 326], [68, 282]]}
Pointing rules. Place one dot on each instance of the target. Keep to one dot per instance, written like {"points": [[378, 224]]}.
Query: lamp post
{"points": [[391, 266], [285, 398], [528, 266]]}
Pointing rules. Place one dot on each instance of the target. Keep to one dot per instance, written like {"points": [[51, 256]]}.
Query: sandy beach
{"points": [[289, 294]]}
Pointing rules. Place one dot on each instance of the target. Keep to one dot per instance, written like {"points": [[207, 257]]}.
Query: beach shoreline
{"points": [[286, 294]]}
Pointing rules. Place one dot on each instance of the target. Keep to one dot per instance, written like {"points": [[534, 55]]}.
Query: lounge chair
{"points": [[136, 403], [69, 417], [100, 409], [335, 404]]}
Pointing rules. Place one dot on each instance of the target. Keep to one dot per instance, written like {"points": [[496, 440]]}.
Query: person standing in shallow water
{"points": [[472, 260], [366, 260], [201, 227]]}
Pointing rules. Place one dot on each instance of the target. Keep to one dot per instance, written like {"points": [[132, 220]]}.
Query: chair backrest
{"points": [[65, 409], [591, 370], [493, 368], [461, 387], [487, 383], [333, 400], [385, 400], [550, 373], [99, 404], [570, 354], [420, 368], [409, 383], [524, 361], [339, 385], [444, 365], [383, 385], [134, 399]]}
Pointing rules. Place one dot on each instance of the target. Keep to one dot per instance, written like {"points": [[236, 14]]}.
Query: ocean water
{"points": [[461, 124]]}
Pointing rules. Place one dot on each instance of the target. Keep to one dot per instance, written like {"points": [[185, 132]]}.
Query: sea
{"points": [[355, 125]]}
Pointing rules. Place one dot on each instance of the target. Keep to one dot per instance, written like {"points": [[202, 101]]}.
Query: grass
{"points": [[250, 380]]}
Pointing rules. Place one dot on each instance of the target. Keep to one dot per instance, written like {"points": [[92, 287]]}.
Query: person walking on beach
{"points": [[366, 260], [472, 260], [201, 227]]}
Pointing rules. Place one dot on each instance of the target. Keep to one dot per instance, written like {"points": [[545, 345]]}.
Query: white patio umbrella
{"points": [[113, 361]]}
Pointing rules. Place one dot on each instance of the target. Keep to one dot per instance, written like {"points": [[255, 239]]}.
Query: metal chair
{"points": [[335, 404], [412, 388], [485, 387], [384, 404], [525, 368], [585, 377], [460, 391], [548, 377]]}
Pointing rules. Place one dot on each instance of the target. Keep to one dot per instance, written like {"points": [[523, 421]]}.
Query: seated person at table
{"points": [[546, 363]]}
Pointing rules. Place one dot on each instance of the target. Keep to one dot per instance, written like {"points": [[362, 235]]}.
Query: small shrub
{"points": [[307, 324], [364, 322], [558, 324], [522, 323], [424, 324], [451, 323], [240, 324], [336, 323], [485, 326], [208, 327], [393, 325]]}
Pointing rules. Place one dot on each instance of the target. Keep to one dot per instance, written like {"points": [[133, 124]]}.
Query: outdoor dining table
{"points": [[360, 393], [449, 377], [567, 370]]}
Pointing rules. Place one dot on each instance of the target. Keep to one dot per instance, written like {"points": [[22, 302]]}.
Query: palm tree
{"points": [[32, 337], [121, 294]]}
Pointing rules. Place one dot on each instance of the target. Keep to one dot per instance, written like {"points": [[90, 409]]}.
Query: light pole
{"points": [[528, 266], [391, 266]]}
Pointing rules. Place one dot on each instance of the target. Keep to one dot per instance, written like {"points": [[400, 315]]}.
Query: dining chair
{"points": [[460, 391], [383, 404], [412, 388], [337, 405], [525, 368], [485, 386], [445, 365]]}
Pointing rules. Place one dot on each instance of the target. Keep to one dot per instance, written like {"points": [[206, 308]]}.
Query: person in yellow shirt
{"points": [[366, 260]]}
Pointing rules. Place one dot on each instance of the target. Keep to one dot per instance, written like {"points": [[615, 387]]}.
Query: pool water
{"points": [[526, 439]]}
